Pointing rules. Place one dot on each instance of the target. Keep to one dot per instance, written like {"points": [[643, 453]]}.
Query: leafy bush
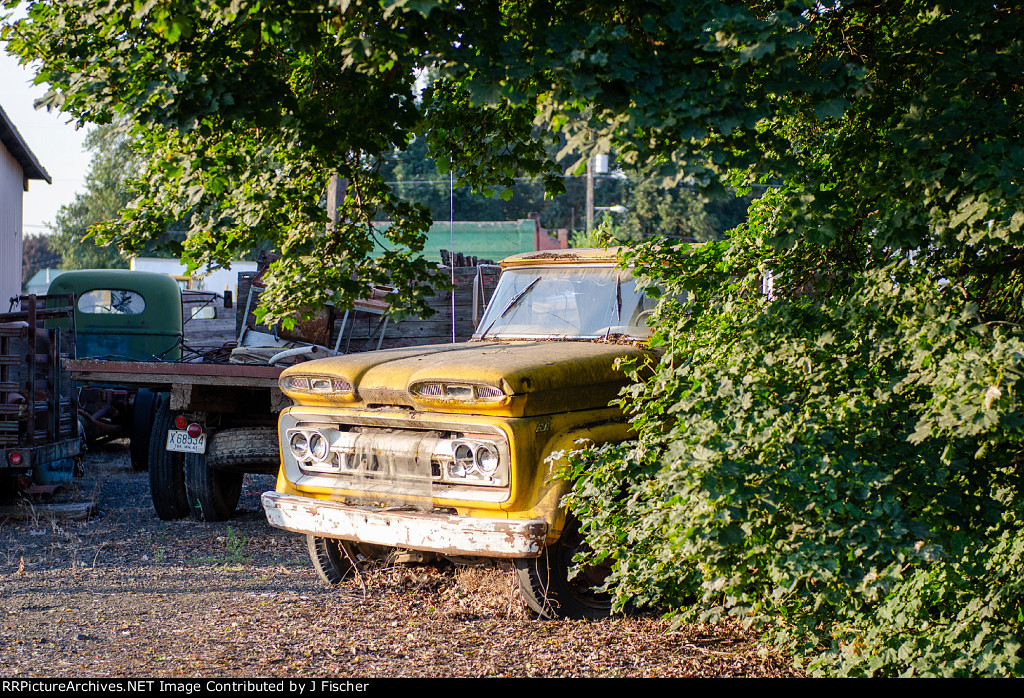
{"points": [[836, 459], [838, 465]]}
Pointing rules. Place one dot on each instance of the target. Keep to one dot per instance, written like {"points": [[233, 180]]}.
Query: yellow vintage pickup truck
{"points": [[446, 449]]}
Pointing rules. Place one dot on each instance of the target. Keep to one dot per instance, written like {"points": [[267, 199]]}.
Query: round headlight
{"points": [[487, 459], [318, 446], [299, 445], [463, 460]]}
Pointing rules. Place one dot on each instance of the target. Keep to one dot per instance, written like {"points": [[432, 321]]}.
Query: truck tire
{"points": [[244, 449], [143, 416], [212, 493], [545, 585], [81, 435], [334, 560], [166, 468]]}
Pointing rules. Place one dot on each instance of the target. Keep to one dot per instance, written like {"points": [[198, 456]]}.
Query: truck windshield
{"points": [[566, 302]]}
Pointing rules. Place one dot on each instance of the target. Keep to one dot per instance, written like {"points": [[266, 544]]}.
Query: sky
{"points": [[56, 144]]}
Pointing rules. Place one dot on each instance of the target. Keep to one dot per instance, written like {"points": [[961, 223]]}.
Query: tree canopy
{"points": [[834, 456], [246, 109]]}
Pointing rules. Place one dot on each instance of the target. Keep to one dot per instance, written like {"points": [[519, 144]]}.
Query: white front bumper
{"points": [[414, 530]]}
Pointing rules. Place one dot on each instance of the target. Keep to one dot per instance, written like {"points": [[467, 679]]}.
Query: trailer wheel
{"points": [[212, 493], [166, 468], [245, 449], [143, 416]]}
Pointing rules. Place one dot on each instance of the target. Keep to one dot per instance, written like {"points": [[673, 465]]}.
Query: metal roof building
{"points": [[18, 165], [492, 240]]}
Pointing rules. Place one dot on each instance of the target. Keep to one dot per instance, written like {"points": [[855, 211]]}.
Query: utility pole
{"points": [[590, 195], [336, 189], [598, 163]]}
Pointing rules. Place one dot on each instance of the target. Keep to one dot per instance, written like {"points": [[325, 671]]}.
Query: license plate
{"points": [[183, 443]]}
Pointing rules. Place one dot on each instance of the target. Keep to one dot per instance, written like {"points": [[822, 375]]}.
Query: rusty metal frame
{"points": [[60, 438]]}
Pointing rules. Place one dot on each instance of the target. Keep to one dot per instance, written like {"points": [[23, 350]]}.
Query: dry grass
{"points": [[485, 591]]}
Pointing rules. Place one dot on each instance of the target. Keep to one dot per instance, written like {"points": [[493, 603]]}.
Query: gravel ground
{"points": [[123, 594]]}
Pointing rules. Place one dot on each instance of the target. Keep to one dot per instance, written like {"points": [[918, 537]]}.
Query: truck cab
{"points": [[122, 315], [452, 450]]}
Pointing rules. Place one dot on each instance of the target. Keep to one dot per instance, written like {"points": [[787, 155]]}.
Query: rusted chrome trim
{"points": [[439, 533]]}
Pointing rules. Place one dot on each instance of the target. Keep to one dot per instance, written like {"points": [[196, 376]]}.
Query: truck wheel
{"points": [[166, 468], [545, 585], [334, 560], [246, 449], [212, 493], [143, 415]]}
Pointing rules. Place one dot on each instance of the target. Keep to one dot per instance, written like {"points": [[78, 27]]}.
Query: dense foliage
{"points": [[246, 109], [836, 461], [837, 458]]}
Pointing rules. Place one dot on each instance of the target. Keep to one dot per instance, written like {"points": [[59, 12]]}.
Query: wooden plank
{"points": [[70, 510], [154, 373]]}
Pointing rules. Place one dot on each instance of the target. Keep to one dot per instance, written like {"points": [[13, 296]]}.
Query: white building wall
{"points": [[12, 187], [217, 280]]}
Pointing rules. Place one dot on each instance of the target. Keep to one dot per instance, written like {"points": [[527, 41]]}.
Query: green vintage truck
{"points": [[121, 315]]}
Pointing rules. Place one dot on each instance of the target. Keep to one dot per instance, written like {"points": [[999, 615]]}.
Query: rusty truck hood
{"points": [[537, 377]]}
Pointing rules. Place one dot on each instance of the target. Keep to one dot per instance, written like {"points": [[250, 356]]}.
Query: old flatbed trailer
{"points": [[213, 423], [40, 443]]}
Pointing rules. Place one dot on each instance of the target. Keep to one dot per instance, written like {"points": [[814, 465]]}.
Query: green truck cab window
{"points": [[109, 301]]}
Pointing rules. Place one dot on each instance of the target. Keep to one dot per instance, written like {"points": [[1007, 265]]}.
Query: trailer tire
{"points": [[81, 435], [244, 449], [143, 417], [212, 494], [166, 468]]}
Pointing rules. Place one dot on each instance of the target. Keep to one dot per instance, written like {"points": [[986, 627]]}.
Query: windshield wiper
{"points": [[618, 306], [512, 302], [618, 300]]}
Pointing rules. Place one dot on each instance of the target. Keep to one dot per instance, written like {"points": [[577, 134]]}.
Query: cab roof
{"points": [[586, 255], [571, 256], [146, 283]]}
